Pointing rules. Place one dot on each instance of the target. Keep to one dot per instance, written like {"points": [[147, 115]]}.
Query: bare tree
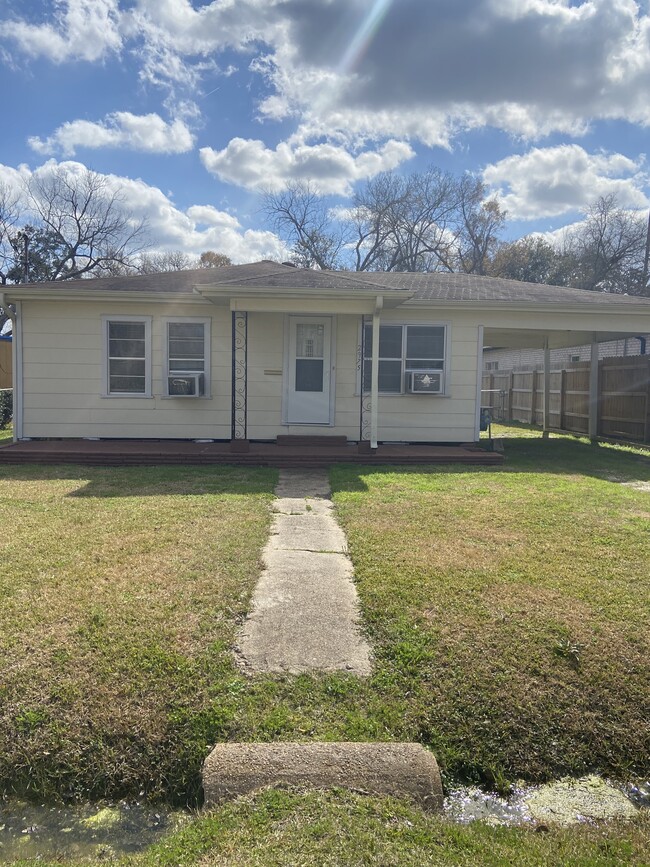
{"points": [[480, 221], [9, 219], [301, 218], [426, 221], [403, 223], [85, 222], [171, 260], [609, 248]]}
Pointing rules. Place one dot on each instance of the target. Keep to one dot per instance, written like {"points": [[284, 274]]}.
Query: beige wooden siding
{"points": [[63, 370], [63, 375], [425, 418]]}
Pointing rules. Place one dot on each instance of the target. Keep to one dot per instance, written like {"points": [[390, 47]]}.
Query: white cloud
{"points": [[198, 228], [357, 70], [147, 133], [78, 30], [547, 182], [330, 168]]}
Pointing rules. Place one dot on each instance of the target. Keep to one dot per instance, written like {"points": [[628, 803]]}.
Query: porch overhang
{"points": [[254, 299]]}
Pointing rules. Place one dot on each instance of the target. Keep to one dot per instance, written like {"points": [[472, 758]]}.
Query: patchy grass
{"points": [[121, 589], [6, 435], [509, 607], [287, 827]]}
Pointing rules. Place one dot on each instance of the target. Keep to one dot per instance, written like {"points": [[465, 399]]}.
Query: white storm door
{"points": [[309, 369]]}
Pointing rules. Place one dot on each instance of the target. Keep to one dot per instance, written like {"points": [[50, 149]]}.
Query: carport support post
{"points": [[593, 391], [546, 419], [374, 372]]}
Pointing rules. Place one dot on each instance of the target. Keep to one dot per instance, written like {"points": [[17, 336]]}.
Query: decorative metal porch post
{"points": [[365, 398], [239, 413]]}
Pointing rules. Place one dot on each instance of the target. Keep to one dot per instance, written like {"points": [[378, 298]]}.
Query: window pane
{"points": [[126, 348], [309, 374], [186, 348], [427, 364], [185, 365], [425, 341], [390, 341], [127, 367], [126, 330], [180, 330], [390, 376], [127, 384]]}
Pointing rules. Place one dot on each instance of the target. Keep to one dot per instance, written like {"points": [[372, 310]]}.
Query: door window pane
{"points": [[310, 340], [309, 374]]}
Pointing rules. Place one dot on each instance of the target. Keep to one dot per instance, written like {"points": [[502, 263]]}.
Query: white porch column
{"points": [[593, 391], [546, 421], [374, 372]]}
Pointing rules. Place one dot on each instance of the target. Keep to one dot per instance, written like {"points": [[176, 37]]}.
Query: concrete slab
{"points": [[301, 506], [398, 769], [304, 617], [305, 610], [313, 531], [303, 483]]}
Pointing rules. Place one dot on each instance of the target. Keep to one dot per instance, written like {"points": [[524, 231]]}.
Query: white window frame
{"points": [[106, 319], [206, 322], [404, 325]]}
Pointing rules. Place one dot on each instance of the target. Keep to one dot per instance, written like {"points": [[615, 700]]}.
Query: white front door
{"points": [[309, 369]]}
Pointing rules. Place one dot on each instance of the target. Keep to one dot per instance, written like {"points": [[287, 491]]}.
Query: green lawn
{"points": [[121, 590], [508, 609], [6, 435]]}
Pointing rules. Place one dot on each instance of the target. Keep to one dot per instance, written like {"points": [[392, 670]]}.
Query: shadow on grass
{"points": [[562, 456], [149, 481]]}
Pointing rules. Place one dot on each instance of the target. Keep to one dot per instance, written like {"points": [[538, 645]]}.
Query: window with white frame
{"points": [[406, 352], [127, 341], [187, 355]]}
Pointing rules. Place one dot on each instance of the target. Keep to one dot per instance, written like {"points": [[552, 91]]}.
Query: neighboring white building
{"points": [[250, 352], [526, 359]]}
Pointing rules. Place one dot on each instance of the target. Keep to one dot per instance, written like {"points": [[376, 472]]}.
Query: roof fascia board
{"points": [[534, 306], [102, 295]]}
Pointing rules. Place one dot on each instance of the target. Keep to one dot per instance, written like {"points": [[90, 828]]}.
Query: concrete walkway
{"points": [[305, 610]]}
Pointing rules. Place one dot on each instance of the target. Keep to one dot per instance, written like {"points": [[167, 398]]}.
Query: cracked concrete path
{"points": [[305, 609]]}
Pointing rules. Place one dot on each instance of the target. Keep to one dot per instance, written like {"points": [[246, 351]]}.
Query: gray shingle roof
{"points": [[426, 287]]}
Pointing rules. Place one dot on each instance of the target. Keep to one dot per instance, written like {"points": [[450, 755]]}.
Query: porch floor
{"points": [[152, 452]]}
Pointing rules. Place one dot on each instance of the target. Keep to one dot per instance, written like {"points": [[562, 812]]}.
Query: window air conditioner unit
{"points": [[424, 382], [186, 385]]}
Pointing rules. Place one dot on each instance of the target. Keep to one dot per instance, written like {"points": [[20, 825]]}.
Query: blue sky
{"points": [[193, 108]]}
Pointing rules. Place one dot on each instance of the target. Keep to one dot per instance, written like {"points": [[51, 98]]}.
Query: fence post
{"points": [[533, 395], [562, 397], [508, 407], [593, 392]]}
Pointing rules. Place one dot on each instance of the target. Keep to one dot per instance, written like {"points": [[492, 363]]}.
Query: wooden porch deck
{"points": [[119, 453]]}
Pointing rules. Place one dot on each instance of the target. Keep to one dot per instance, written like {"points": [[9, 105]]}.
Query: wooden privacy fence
{"points": [[5, 364], [623, 397]]}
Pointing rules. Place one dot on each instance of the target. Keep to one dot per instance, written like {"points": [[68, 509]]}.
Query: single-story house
{"points": [[251, 352]]}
